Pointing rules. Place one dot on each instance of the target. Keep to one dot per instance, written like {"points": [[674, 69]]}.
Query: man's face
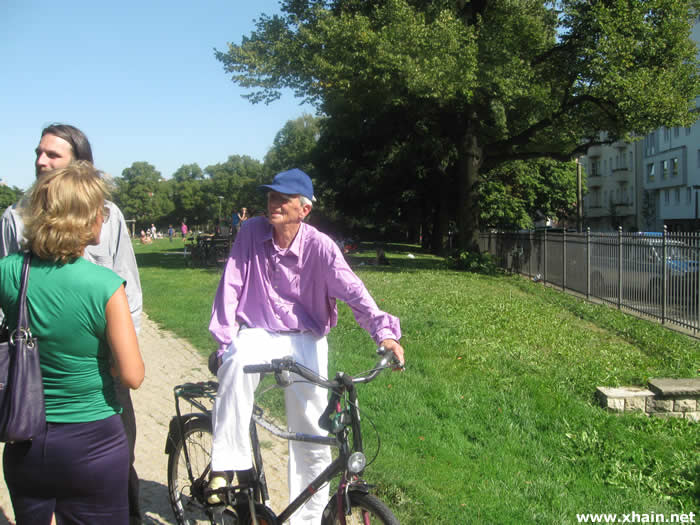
{"points": [[52, 153], [285, 209]]}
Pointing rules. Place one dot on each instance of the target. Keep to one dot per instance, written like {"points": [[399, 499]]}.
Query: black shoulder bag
{"points": [[22, 409]]}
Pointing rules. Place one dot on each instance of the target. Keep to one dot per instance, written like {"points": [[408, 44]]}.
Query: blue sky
{"points": [[138, 77]]}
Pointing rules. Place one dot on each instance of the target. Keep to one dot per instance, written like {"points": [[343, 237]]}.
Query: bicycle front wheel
{"points": [[366, 510], [187, 495]]}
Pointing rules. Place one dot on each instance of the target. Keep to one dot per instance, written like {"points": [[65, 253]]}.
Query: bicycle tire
{"points": [[187, 502], [360, 503]]}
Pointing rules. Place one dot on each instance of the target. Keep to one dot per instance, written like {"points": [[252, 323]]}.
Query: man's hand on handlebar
{"points": [[394, 346]]}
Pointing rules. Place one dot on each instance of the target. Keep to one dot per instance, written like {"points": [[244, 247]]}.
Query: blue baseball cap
{"points": [[292, 182]]}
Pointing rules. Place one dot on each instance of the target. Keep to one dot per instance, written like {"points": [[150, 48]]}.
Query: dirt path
{"points": [[170, 361]]}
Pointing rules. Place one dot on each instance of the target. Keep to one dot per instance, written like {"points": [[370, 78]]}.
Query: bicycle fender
{"points": [[174, 429]]}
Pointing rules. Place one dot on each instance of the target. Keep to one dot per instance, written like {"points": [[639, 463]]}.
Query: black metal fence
{"points": [[651, 274]]}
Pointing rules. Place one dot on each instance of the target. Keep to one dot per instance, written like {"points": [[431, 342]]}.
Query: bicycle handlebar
{"points": [[388, 359]]}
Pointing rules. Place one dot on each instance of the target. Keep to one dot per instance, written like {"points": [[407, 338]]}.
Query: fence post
{"points": [[563, 260], [588, 263], [619, 267], [544, 251], [664, 284], [529, 257]]}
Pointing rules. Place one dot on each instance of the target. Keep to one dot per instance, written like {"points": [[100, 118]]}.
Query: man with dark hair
{"points": [[61, 144]]}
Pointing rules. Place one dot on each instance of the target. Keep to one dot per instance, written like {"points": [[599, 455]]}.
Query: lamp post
{"points": [[217, 229]]}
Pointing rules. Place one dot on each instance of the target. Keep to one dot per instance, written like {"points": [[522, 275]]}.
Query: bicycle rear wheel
{"points": [[366, 510], [186, 496]]}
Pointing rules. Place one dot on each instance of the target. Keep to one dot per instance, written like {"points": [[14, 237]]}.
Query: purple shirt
{"points": [[280, 290]]}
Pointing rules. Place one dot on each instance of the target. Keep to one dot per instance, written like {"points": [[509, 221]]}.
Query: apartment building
{"points": [[647, 184]]}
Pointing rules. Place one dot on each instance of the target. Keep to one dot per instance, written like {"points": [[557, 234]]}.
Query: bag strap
{"points": [[23, 318]]}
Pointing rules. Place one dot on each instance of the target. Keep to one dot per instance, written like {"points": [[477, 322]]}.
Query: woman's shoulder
{"points": [[94, 271]]}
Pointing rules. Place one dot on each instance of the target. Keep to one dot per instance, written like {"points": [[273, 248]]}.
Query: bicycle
{"points": [[189, 463]]}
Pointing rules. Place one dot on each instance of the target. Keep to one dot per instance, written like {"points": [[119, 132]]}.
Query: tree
{"points": [[515, 192], [294, 145], [237, 181], [9, 195], [142, 194], [496, 80], [188, 191]]}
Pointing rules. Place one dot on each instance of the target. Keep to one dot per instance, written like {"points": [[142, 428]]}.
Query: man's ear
{"points": [[306, 208]]}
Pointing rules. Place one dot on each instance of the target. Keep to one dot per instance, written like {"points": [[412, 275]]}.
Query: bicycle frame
{"points": [[344, 419]]}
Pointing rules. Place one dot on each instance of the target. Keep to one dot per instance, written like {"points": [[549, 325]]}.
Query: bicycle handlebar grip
{"points": [[258, 369]]}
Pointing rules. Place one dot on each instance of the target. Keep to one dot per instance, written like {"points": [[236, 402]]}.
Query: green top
{"points": [[66, 308]]}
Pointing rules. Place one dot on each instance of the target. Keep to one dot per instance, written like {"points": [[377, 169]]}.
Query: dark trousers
{"points": [[129, 421], [77, 471]]}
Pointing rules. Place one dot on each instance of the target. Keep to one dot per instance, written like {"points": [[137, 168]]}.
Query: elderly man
{"points": [[60, 144], [277, 297]]}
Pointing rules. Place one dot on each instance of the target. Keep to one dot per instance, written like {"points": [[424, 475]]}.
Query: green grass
{"points": [[494, 420]]}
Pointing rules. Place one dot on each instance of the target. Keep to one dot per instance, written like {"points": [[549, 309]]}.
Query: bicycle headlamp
{"points": [[356, 462]]}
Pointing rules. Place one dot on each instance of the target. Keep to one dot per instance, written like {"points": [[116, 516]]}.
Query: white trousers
{"points": [[305, 403]]}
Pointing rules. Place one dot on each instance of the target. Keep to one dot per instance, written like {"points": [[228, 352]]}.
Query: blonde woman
{"points": [[78, 468]]}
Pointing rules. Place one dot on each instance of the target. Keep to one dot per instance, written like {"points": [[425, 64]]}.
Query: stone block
{"points": [[678, 415], [621, 398], [684, 387], [635, 403], [693, 416], [685, 405], [659, 405]]}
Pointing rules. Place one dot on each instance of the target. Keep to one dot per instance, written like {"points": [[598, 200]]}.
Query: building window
{"points": [[667, 134], [667, 196], [650, 144], [674, 167], [650, 170], [676, 131], [678, 195], [687, 131], [688, 195], [664, 169]]}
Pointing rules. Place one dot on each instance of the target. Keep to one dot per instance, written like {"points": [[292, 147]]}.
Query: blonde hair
{"points": [[61, 209]]}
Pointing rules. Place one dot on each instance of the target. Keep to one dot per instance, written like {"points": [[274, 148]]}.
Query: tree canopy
{"points": [[432, 96]]}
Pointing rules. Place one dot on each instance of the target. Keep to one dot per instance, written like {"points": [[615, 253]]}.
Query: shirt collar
{"points": [[297, 245]]}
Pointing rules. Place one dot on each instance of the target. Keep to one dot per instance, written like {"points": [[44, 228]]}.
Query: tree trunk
{"points": [[470, 158], [441, 216]]}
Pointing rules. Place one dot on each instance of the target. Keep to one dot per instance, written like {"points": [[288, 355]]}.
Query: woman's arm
{"points": [[121, 337]]}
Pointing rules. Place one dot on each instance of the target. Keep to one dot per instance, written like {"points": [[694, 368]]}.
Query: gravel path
{"points": [[170, 361]]}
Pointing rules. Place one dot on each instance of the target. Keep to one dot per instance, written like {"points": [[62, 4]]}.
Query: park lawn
{"points": [[494, 419]]}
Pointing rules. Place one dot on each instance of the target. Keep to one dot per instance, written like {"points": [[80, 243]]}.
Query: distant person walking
{"points": [[171, 232], [183, 229]]}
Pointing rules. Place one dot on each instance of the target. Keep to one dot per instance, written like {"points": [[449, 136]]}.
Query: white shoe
{"points": [[216, 482]]}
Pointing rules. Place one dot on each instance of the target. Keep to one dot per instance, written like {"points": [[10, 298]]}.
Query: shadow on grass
{"points": [[369, 263], [170, 259], [364, 258]]}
